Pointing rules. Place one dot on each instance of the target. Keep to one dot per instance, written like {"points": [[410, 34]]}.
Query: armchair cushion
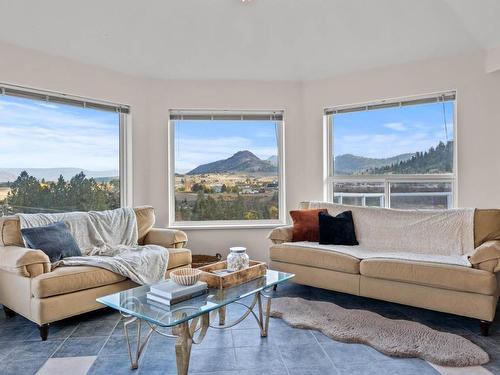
{"points": [[24, 261], [63, 280], [166, 237], [487, 256], [281, 234]]}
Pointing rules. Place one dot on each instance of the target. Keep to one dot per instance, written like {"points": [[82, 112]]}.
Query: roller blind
{"points": [[437, 98], [56, 98], [226, 115]]}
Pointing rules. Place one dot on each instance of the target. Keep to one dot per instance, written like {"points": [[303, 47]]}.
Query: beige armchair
{"points": [[30, 288]]}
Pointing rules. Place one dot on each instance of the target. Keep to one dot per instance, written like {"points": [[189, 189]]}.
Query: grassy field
{"points": [[3, 192]]}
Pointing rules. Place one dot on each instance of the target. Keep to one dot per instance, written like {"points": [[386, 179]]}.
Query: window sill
{"points": [[224, 226]]}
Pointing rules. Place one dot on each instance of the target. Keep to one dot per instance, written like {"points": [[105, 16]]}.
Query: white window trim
{"points": [[226, 224], [329, 178], [125, 127], [126, 161]]}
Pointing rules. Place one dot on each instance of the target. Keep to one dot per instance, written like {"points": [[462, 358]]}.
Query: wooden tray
{"points": [[255, 270]]}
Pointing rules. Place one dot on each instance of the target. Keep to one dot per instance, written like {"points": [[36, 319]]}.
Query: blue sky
{"points": [[36, 134], [392, 131], [199, 142]]}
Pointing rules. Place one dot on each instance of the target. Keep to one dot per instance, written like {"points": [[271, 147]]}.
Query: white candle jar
{"points": [[237, 259]]}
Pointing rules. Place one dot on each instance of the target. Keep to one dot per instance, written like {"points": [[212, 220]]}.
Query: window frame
{"points": [[328, 166], [125, 126], [226, 224]]}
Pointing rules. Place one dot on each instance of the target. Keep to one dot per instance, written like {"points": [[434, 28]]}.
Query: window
{"points": [[398, 154], [60, 153], [226, 168]]}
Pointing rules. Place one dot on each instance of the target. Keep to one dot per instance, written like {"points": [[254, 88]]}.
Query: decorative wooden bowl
{"points": [[185, 276]]}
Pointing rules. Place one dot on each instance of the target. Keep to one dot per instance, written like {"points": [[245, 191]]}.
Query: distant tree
{"points": [[27, 194]]}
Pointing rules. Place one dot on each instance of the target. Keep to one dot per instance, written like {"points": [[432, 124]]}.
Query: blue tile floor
{"points": [[240, 350]]}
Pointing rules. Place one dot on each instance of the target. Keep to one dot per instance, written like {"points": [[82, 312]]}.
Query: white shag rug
{"points": [[398, 338]]}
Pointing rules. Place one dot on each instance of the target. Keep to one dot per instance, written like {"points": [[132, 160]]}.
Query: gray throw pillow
{"points": [[55, 240]]}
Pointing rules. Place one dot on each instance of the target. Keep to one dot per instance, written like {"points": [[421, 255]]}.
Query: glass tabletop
{"points": [[135, 303]]}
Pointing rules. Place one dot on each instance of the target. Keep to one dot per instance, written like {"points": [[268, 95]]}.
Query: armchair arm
{"points": [[487, 256], [166, 237], [281, 234], [24, 261]]}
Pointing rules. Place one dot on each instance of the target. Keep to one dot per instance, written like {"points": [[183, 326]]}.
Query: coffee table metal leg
{"points": [[139, 346], [222, 315], [183, 347], [186, 337], [264, 318]]}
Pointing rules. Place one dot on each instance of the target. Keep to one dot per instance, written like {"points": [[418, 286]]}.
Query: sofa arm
{"points": [[487, 256], [166, 237], [24, 261], [281, 234]]}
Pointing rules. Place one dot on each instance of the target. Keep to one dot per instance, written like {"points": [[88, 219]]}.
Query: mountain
{"points": [[52, 174], [242, 161], [273, 160], [347, 164], [437, 159]]}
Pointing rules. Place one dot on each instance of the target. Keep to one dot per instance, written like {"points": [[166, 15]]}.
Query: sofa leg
{"points": [[44, 331], [8, 312], [485, 327]]}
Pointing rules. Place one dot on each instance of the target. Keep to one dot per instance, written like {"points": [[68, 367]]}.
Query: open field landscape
{"points": [[3, 192]]}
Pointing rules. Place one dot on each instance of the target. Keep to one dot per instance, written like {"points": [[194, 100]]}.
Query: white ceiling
{"points": [[261, 39]]}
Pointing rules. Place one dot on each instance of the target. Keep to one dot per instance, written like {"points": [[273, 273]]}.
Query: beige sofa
{"points": [[29, 287], [467, 291]]}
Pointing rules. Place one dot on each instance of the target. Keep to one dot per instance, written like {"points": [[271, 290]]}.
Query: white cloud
{"points": [[384, 145], [397, 126], [37, 136]]}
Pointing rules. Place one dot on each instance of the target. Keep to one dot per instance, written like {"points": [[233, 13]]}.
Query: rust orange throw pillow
{"points": [[306, 224]]}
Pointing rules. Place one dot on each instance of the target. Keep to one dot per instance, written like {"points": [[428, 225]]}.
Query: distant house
{"points": [[217, 188]]}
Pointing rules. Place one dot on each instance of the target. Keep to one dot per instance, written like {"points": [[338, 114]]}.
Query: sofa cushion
{"points": [[486, 225], [10, 229], [64, 280], [305, 225], [437, 275], [70, 279], [145, 221], [337, 230], [314, 257], [55, 240], [178, 257]]}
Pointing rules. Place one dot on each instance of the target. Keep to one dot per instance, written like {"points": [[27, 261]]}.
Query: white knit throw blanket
{"points": [[442, 236], [107, 239]]}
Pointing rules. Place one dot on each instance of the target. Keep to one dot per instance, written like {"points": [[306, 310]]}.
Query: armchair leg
{"points": [[484, 327], [44, 331], [8, 312]]}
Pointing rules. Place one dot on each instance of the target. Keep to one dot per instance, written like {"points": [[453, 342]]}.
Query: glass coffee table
{"points": [[191, 319]]}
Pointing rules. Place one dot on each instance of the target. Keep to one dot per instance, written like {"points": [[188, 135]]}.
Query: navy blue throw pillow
{"points": [[337, 230], [55, 240]]}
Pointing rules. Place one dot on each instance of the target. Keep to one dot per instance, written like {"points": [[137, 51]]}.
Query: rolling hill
{"points": [[348, 164], [240, 162], [437, 159]]}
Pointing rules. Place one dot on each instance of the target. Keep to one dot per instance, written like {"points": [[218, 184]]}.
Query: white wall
{"points": [[478, 122]]}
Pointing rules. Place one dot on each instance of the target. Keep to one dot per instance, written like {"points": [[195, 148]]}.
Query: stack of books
{"points": [[169, 293]]}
